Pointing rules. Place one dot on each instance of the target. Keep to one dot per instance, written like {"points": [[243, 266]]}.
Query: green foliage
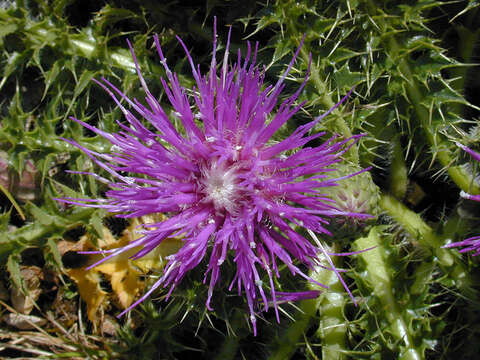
{"points": [[411, 63]]}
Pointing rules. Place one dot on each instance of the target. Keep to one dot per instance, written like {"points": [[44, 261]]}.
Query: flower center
{"points": [[221, 186]]}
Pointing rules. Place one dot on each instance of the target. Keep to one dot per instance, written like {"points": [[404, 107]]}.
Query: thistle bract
{"points": [[356, 194], [473, 243], [221, 183]]}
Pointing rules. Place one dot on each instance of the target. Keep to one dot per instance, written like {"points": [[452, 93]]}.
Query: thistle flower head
{"points": [[353, 194], [221, 183], [473, 243]]}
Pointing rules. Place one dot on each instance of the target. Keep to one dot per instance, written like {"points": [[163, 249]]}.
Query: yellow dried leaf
{"points": [[88, 283], [108, 241], [124, 280], [155, 260], [123, 273]]}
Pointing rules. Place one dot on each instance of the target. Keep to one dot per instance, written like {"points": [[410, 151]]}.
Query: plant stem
{"points": [[413, 224], [339, 124], [416, 227], [332, 325], [378, 276], [398, 181]]}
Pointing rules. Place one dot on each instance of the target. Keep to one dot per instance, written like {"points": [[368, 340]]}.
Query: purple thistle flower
{"points": [[222, 183], [473, 243]]}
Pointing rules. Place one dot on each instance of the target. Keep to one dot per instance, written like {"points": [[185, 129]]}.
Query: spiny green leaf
{"points": [[13, 267], [13, 63], [53, 250], [7, 29]]}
